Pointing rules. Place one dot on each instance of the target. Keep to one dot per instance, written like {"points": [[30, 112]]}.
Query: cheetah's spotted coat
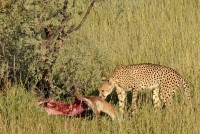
{"points": [[163, 82]]}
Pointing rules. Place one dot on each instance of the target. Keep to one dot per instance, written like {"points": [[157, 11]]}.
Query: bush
{"points": [[31, 36]]}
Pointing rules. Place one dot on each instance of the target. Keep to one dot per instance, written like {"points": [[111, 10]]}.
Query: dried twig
{"points": [[65, 20], [72, 29]]}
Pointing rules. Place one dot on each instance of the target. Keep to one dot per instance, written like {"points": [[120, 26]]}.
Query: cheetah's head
{"points": [[106, 87]]}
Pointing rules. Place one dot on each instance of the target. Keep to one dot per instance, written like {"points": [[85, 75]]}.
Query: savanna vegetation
{"points": [[55, 48]]}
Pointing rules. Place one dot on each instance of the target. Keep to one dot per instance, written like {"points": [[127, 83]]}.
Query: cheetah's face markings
{"points": [[105, 88]]}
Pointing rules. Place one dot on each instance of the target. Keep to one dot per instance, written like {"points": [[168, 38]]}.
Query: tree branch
{"points": [[72, 29], [66, 19], [52, 48]]}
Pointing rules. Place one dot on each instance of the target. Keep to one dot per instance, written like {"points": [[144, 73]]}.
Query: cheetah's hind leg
{"points": [[156, 98]]}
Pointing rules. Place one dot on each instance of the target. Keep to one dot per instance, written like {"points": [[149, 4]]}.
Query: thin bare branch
{"points": [[66, 19], [72, 29]]}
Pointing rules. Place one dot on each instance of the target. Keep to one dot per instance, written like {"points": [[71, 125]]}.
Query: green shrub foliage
{"points": [[32, 33]]}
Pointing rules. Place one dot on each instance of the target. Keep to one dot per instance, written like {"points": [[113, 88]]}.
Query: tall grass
{"points": [[19, 115], [123, 32]]}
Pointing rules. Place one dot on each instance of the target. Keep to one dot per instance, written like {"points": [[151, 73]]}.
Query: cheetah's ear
{"points": [[111, 81], [103, 78]]}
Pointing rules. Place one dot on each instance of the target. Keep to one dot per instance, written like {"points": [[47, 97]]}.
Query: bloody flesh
{"points": [[57, 108]]}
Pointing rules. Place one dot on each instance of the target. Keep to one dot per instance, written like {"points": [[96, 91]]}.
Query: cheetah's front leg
{"points": [[121, 96], [156, 97]]}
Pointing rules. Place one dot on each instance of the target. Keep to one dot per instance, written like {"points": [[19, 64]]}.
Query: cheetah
{"points": [[162, 81]]}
